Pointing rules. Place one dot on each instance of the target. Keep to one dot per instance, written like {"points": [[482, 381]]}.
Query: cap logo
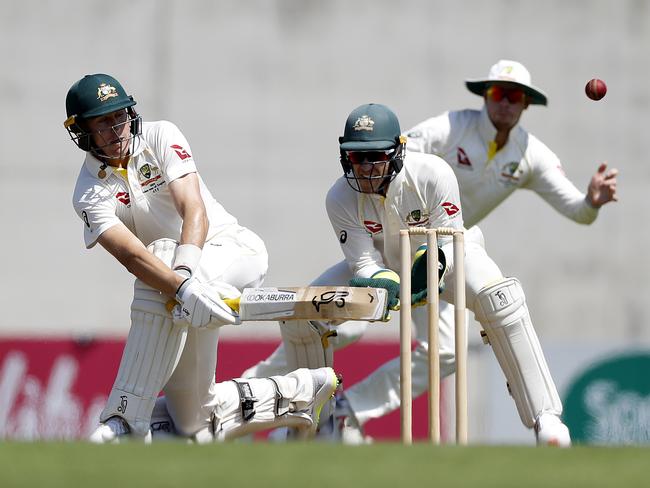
{"points": [[506, 74], [364, 123], [104, 92]]}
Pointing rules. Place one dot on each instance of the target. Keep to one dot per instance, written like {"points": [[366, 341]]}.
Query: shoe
{"points": [[326, 381], [348, 430], [550, 431], [114, 431]]}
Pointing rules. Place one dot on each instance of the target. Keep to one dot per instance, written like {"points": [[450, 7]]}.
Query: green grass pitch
{"points": [[317, 464]]}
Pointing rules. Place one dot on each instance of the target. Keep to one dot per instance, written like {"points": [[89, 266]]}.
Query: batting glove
{"points": [[202, 307]]}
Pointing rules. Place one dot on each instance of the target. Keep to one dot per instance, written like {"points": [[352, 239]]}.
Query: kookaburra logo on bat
{"points": [[338, 297]]}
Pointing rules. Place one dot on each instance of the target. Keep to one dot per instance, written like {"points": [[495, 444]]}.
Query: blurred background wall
{"points": [[262, 88]]}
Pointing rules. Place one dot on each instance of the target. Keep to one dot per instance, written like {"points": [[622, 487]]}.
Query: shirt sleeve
{"points": [[356, 243], [429, 136], [174, 151], [443, 196], [97, 209], [549, 182]]}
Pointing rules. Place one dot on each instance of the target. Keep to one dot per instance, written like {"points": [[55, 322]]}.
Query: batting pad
{"points": [[306, 345], [501, 309], [152, 351], [275, 405]]}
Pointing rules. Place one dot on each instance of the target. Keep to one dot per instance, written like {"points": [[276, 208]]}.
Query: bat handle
{"points": [[233, 303], [171, 303]]}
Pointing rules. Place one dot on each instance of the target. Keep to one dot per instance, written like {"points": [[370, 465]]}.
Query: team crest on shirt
{"points": [[145, 170], [510, 172], [364, 123], [150, 178], [106, 91], [417, 218]]}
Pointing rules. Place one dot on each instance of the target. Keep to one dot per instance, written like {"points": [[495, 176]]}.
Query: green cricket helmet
{"points": [[94, 96], [371, 136]]}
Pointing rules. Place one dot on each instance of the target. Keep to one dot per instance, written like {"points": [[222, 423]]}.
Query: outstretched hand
{"points": [[602, 187]]}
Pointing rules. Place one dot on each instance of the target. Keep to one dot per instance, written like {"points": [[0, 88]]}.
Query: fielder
{"points": [[140, 197], [491, 156], [385, 188]]}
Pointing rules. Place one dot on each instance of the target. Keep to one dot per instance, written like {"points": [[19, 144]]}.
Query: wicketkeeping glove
{"points": [[419, 275], [384, 278], [201, 306]]}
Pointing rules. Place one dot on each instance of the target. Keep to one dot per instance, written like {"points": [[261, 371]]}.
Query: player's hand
{"points": [[385, 278], [419, 275], [602, 187], [201, 306]]}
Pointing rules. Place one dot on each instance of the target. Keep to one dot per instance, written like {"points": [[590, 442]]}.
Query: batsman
{"points": [[140, 197], [385, 188]]}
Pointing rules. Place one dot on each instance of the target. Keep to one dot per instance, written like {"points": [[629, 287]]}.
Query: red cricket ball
{"points": [[595, 89]]}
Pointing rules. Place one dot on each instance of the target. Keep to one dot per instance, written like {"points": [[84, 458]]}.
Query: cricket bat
{"points": [[311, 303]]}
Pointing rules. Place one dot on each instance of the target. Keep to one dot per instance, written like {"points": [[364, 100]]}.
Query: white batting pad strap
{"points": [[501, 309], [164, 249], [152, 351], [303, 343]]}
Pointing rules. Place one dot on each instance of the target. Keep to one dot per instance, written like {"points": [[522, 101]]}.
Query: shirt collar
{"points": [[486, 130], [101, 170], [97, 168]]}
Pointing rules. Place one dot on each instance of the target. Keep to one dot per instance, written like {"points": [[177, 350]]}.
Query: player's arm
{"points": [[549, 181], [186, 195], [131, 253], [356, 242], [442, 194], [199, 306], [432, 136], [179, 169]]}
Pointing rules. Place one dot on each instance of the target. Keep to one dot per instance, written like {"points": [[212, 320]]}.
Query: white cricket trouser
{"points": [[241, 260]]}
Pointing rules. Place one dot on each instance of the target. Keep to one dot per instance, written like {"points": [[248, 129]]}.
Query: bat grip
{"points": [[233, 303]]}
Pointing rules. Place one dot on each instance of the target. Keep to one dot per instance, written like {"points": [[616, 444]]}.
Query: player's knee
{"points": [[500, 303]]}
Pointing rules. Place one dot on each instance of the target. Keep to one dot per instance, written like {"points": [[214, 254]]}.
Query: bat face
{"points": [[313, 303], [337, 297]]}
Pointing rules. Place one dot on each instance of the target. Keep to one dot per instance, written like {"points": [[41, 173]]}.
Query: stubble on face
{"points": [[503, 114]]}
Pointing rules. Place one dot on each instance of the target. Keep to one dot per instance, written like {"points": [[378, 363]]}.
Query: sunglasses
{"points": [[496, 93], [358, 157]]}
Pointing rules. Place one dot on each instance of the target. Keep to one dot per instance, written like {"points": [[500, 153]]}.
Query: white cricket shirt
{"points": [[462, 138], [143, 203], [424, 193]]}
